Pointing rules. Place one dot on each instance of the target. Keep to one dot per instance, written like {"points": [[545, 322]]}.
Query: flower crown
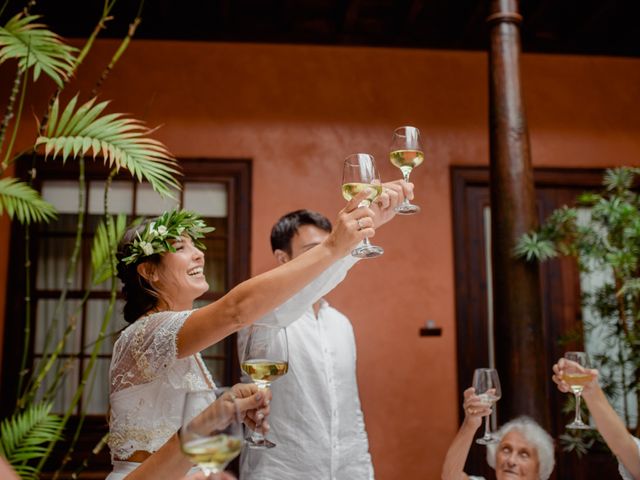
{"points": [[156, 236]]}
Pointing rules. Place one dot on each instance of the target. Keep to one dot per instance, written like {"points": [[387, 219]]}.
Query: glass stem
{"points": [[363, 204], [257, 436], [405, 176], [487, 433], [578, 416]]}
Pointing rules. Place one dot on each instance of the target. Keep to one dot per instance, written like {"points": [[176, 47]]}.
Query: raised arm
{"points": [[383, 211], [257, 296], [609, 424], [474, 410]]}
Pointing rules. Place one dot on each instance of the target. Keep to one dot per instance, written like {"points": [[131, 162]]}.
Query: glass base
{"points": [[407, 209], [579, 426], [486, 441], [260, 443], [367, 251]]}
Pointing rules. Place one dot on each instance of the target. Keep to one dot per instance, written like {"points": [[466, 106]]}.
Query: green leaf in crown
{"points": [[157, 235]]}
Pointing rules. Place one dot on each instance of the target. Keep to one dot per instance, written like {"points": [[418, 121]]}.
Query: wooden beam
{"points": [[519, 346]]}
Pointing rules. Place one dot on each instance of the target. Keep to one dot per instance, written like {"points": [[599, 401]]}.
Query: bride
{"points": [[156, 359]]}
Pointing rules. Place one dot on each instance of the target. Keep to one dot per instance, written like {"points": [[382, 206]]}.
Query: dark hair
{"points": [[139, 296], [284, 229]]}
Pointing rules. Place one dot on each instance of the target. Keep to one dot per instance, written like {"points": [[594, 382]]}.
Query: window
{"points": [[217, 190]]}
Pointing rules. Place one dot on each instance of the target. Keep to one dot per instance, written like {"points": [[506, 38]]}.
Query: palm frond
{"points": [[105, 243], [122, 142], [33, 45], [23, 202], [25, 436]]}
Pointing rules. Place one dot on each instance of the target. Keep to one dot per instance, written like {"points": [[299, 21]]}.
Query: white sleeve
{"points": [[362, 439], [146, 349], [292, 309], [624, 473]]}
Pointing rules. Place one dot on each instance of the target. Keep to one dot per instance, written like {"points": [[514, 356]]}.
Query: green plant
{"points": [[24, 437], [602, 232], [68, 132]]}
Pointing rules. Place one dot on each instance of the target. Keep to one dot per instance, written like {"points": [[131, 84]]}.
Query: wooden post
{"points": [[519, 346]]}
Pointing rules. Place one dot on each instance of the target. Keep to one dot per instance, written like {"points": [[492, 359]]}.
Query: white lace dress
{"points": [[148, 384]]}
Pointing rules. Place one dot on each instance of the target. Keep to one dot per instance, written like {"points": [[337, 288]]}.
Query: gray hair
{"points": [[535, 435]]}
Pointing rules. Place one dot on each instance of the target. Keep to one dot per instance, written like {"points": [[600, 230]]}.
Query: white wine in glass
{"points": [[265, 359], [576, 377], [359, 172], [213, 438], [406, 154], [487, 386]]}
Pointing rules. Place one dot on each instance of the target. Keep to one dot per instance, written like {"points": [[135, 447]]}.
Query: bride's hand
{"points": [[352, 226]]}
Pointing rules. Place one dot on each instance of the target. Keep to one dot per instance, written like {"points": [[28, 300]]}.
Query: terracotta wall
{"points": [[297, 111]]}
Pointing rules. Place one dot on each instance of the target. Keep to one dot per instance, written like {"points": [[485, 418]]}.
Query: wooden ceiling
{"points": [[591, 27]]}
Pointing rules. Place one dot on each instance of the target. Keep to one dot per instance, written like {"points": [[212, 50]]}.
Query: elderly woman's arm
{"points": [[609, 424], [474, 410]]}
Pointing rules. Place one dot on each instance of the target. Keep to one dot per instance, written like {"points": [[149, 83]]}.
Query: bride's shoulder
{"points": [[148, 324]]}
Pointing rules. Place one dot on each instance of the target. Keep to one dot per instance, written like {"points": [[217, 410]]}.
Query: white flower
{"points": [[162, 230], [147, 248]]}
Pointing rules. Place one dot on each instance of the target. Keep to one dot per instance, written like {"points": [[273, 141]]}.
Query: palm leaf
{"points": [[23, 202], [25, 436], [122, 142], [33, 45], [105, 243]]}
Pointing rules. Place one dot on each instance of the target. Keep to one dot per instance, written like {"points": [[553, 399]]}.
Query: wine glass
{"points": [[360, 172], [575, 376], [265, 359], [487, 386], [406, 154], [211, 433]]}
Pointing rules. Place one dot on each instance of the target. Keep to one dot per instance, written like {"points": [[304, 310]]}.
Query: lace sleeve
{"points": [[146, 349]]}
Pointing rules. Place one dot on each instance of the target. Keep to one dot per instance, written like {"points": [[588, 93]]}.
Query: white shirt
{"points": [[316, 419]]}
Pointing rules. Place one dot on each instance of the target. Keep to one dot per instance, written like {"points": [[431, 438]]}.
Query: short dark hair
{"points": [[284, 229]]}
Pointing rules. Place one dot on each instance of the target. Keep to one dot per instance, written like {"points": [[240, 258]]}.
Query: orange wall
{"points": [[297, 111]]}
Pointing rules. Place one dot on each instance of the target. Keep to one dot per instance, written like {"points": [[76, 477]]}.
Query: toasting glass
{"points": [[487, 386], [406, 154], [359, 172], [575, 376], [211, 436], [265, 359]]}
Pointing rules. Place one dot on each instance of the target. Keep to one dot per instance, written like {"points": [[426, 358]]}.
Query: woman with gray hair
{"points": [[524, 449]]}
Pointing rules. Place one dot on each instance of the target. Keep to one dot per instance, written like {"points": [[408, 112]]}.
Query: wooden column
{"points": [[518, 337]]}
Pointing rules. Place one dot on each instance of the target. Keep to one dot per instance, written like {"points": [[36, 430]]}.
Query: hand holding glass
{"points": [[212, 438], [487, 386], [265, 359], [406, 154], [359, 172], [574, 374]]}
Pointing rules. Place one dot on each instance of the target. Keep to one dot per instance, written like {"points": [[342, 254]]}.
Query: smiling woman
{"points": [[521, 448], [157, 359]]}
